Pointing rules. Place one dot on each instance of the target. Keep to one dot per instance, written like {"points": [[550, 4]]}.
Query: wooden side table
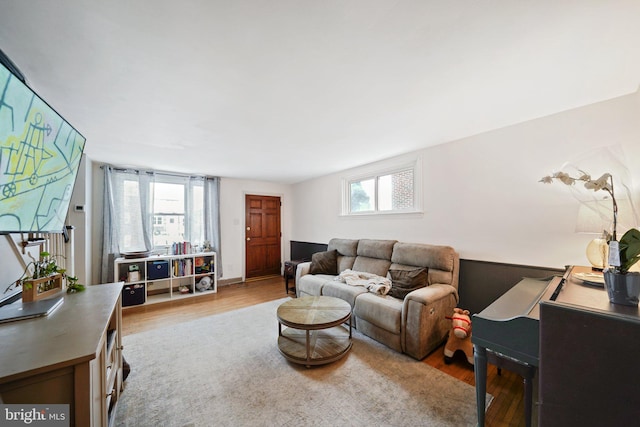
{"points": [[290, 268]]}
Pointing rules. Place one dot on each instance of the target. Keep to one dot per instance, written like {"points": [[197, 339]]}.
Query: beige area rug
{"points": [[226, 370]]}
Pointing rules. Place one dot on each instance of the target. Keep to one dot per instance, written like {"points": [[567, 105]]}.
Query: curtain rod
{"points": [[152, 172]]}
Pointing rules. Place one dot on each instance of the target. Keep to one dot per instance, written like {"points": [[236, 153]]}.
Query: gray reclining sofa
{"points": [[424, 284]]}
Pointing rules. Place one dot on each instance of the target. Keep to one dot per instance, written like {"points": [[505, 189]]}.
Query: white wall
{"points": [[81, 221], [232, 220], [232, 192], [482, 195]]}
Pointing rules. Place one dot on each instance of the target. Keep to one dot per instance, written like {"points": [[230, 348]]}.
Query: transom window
{"points": [[387, 191]]}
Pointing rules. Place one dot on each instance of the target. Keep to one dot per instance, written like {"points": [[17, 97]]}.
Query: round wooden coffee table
{"points": [[314, 333]]}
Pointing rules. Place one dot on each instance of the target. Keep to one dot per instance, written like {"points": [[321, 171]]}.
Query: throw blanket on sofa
{"points": [[373, 283]]}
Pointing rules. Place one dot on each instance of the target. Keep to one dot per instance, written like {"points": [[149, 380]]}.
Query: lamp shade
{"points": [[594, 217]]}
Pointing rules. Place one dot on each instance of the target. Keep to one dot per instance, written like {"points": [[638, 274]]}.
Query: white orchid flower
{"points": [[605, 182], [547, 179], [601, 183], [564, 177]]}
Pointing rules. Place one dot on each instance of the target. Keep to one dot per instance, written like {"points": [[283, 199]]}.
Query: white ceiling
{"points": [[288, 90]]}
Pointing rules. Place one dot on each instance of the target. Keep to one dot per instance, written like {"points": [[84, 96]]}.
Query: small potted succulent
{"points": [[623, 286]]}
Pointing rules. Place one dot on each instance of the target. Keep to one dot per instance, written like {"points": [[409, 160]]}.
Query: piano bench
{"points": [[525, 370], [510, 364]]}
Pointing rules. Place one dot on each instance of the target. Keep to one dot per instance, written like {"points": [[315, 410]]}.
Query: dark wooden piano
{"points": [[533, 326]]}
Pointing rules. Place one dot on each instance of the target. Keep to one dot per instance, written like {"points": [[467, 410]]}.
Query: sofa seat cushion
{"points": [[384, 312], [337, 289], [312, 284]]}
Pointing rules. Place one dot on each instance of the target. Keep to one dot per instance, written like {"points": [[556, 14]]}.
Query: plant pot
{"points": [[36, 289], [622, 288]]}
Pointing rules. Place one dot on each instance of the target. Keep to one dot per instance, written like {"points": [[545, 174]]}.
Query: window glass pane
{"points": [[395, 191], [169, 208], [168, 198], [168, 229], [362, 195]]}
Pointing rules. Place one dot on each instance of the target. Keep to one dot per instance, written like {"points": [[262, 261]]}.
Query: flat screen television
{"points": [[40, 155]]}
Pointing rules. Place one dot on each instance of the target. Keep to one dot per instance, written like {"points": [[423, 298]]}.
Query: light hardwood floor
{"points": [[507, 408]]}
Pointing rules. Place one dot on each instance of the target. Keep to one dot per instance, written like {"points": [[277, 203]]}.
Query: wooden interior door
{"points": [[262, 219]]}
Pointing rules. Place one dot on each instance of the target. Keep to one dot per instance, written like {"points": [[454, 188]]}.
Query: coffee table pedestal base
{"points": [[314, 347]]}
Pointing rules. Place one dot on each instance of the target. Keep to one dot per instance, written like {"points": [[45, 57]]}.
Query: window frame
{"points": [[160, 178], [375, 172]]}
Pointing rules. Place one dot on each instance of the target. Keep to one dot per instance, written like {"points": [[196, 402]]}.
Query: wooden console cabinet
{"points": [[589, 352], [73, 356]]}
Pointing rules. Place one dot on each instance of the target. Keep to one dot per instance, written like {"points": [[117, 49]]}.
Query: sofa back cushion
{"points": [[347, 249], [374, 256], [381, 249], [443, 262], [376, 266]]}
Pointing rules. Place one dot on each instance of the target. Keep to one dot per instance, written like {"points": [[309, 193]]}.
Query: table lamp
{"points": [[592, 220]]}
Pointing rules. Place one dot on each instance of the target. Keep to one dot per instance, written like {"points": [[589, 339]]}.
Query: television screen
{"points": [[39, 159]]}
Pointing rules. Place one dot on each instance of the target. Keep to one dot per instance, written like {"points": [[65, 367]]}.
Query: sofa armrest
{"points": [[424, 322], [303, 268], [430, 294]]}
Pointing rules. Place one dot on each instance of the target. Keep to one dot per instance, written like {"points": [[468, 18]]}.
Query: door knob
{"points": [[248, 238]]}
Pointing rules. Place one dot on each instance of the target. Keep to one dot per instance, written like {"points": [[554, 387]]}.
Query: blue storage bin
{"points": [[157, 270]]}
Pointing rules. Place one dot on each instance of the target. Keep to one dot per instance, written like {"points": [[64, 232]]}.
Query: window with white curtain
{"points": [[149, 211], [176, 209]]}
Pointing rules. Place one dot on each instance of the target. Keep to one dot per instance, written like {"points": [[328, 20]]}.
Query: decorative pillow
{"points": [[405, 281], [324, 263]]}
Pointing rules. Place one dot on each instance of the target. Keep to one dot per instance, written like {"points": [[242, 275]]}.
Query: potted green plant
{"points": [[44, 277], [73, 285], [623, 286]]}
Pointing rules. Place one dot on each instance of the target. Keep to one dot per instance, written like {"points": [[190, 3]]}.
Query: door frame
{"points": [[244, 228]]}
